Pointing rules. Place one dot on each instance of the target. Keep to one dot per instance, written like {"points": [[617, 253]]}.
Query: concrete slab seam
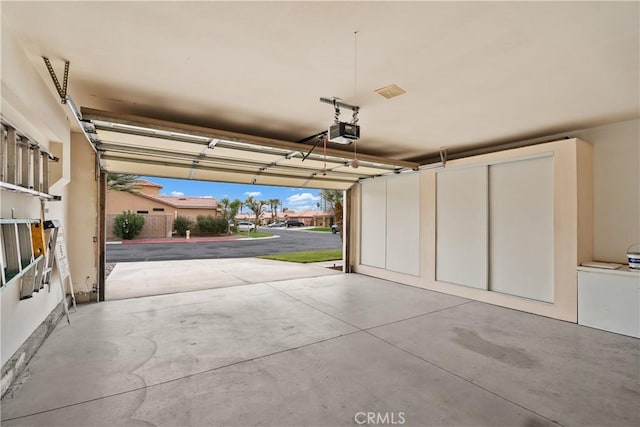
{"points": [[417, 316], [371, 327], [195, 374], [315, 308], [367, 331], [463, 378]]}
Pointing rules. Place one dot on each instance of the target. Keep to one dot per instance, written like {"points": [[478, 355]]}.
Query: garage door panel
{"points": [[362, 170], [146, 169], [228, 153], [129, 140], [222, 176], [184, 151]]}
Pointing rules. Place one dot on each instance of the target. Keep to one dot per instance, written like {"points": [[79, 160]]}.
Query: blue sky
{"points": [[292, 198]]}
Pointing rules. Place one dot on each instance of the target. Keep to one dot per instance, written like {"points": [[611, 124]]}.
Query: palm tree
{"points": [[255, 206], [334, 200], [234, 207], [122, 182], [224, 202], [273, 204]]}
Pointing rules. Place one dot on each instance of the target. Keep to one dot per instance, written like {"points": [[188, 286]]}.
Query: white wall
{"points": [[616, 187], [28, 103]]}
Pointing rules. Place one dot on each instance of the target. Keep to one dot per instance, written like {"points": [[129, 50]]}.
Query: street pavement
{"points": [[296, 240]]}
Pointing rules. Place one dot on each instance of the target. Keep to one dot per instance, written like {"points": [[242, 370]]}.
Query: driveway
{"points": [[138, 279], [288, 241]]}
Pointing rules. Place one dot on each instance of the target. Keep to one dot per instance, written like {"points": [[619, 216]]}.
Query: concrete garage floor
{"points": [[318, 352], [139, 279]]}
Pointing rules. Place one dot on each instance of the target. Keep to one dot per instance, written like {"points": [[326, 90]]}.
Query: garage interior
{"points": [[498, 158]]}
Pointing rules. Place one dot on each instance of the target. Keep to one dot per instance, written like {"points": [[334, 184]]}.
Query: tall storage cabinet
{"points": [[508, 228], [489, 213], [511, 227], [390, 223]]}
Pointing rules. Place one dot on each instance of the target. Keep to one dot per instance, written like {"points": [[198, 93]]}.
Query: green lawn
{"points": [[252, 234], [306, 257], [320, 229]]}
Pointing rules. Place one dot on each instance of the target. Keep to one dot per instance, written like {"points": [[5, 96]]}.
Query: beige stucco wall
{"points": [[121, 201], [158, 223], [193, 213], [29, 104], [570, 215], [155, 227], [82, 225]]}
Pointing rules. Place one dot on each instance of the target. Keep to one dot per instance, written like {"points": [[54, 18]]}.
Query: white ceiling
{"points": [[475, 73]]}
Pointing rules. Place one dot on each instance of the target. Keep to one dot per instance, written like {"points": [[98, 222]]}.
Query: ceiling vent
{"points": [[390, 91]]}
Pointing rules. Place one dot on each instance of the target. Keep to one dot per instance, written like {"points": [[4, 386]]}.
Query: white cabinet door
{"points": [[610, 302], [521, 228], [403, 223], [461, 226], [373, 227]]}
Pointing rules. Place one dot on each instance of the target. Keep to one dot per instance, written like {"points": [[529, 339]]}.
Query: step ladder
{"points": [[27, 253]]}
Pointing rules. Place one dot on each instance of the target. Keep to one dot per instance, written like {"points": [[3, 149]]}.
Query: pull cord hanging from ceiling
{"points": [[354, 120]]}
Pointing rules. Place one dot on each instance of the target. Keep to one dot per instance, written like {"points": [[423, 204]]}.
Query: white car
{"points": [[246, 226]]}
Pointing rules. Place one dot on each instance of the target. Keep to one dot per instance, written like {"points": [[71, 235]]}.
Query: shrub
{"points": [[221, 226], [128, 225], [209, 224], [181, 224]]}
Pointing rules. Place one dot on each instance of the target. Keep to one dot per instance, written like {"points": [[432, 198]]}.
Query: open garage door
{"points": [[141, 146], [149, 147]]}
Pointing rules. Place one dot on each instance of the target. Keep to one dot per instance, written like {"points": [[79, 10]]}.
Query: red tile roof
{"points": [[143, 183], [306, 214], [184, 202]]}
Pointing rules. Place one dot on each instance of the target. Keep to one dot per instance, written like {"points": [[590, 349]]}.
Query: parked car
{"points": [[335, 228], [293, 223], [276, 224], [246, 226]]}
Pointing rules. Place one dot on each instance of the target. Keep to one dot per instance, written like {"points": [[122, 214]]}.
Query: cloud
{"points": [[252, 193], [177, 193], [302, 201]]}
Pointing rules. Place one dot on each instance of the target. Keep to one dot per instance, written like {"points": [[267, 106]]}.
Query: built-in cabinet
{"points": [[609, 299], [390, 227], [507, 228], [494, 226], [462, 220]]}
